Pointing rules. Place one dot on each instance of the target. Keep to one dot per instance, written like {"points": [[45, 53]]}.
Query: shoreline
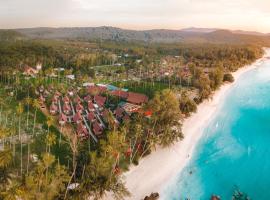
{"points": [[158, 169]]}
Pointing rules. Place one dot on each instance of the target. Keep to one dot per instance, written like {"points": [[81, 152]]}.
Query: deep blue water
{"points": [[234, 152]]}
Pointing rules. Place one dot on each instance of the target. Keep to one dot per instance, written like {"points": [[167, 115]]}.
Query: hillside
{"points": [[189, 35], [10, 35]]}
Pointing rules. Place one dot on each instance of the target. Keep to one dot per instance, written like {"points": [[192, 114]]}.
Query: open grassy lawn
{"points": [[148, 88]]}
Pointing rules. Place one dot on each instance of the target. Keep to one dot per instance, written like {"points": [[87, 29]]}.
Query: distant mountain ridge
{"points": [[157, 35], [199, 30], [10, 35]]}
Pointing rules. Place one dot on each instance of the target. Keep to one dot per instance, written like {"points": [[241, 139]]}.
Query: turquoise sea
{"points": [[234, 152]]}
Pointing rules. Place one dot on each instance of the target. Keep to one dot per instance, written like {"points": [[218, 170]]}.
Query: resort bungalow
{"points": [[88, 98], [77, 99], [82, 131], [100, 100], [67, 109], [62, 119], [97, 128], [120, 93], [91, 106], [29, 71], [53, 109], [137, 98], [66, 100], [79, 108], [91, 117], [94, 90], [130, 108], [119, 113], [77, 118]]}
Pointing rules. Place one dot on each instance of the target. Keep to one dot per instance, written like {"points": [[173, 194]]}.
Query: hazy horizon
{"points": [[248, 15]]}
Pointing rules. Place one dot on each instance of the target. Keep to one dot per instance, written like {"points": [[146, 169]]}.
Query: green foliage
{"points": [[228, 78], [100, 174], [187, 105], [216, 78], [166, 117], [47, 181]]}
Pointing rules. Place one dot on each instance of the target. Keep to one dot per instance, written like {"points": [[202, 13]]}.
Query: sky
{"points": [[252, 15]]}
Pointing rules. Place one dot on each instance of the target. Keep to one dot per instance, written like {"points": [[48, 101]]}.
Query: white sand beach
{"points": [[160, 167]]}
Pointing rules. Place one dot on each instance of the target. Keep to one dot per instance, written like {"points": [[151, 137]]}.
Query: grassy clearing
{"points": [[148, 88]]}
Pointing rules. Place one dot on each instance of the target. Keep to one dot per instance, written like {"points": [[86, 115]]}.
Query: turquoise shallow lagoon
{"points": [[234, 152]]}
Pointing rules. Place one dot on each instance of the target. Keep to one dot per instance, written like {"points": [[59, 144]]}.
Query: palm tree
{"points": [[138, 133], [46, 181], [50, 140], [28, 101], [5, 161], [19, 112], [12, 191], [5, 158], [2, 103], [36, 106], [49, 122]]}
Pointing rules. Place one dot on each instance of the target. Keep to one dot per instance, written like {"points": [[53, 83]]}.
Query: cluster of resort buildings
{"points": [[92, 113]]}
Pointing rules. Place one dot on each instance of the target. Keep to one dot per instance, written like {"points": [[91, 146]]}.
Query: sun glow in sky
{"points": [[251, 15]]}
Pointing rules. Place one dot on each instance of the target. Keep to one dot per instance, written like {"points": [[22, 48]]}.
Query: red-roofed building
{"points": [[79, 108], [91, 106], [119, 112], [97, 128], [105, 113], [77, 118], [100, 100], [66, 109], [53, 109], [66, 99], [77, 99], [91, 116], [137, 98], [88, 98], [82, 130], [94, 90], [119, 93], [55, 99], [62, 119]]}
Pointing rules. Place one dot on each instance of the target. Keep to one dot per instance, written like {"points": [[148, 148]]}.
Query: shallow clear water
{"points": [[234, 152]]}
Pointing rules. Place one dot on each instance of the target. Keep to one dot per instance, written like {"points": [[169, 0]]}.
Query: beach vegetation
{"points": [[228, 78]]}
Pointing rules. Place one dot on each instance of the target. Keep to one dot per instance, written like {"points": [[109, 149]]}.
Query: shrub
{"points": [[228, 78]]}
